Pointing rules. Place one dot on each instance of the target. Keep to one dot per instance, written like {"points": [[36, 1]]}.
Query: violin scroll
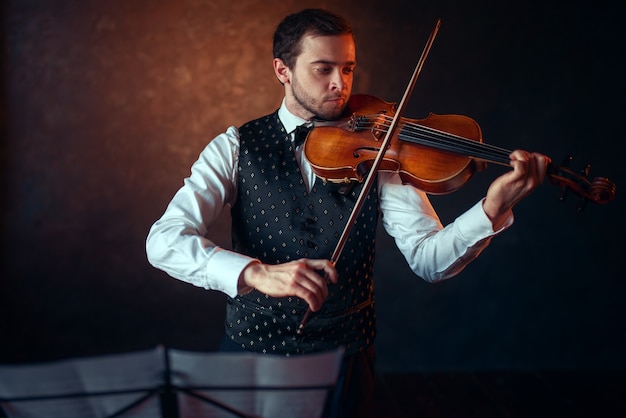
{"points": [[600, 190]]}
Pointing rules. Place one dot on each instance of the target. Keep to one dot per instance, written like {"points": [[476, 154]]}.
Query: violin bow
{"points": [[379, 158]]}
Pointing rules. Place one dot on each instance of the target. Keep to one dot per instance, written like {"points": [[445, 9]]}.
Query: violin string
{"points": [[445, 141], [423, 135], [453, 143]]}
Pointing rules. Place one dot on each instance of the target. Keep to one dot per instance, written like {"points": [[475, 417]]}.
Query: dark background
{"points": [[106, 104]]}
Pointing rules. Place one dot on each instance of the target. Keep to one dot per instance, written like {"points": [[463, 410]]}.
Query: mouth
{"points": [[339, 101], [332, 107]]}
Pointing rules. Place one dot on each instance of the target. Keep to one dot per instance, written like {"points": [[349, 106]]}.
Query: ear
{"points": [[282, 71]]}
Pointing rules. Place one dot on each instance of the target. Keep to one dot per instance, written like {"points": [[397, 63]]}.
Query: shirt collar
{"points": [[289, 120]]}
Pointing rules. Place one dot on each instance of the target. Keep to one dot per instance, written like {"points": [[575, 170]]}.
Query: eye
{"points": [[323, 70], [348, 70]]}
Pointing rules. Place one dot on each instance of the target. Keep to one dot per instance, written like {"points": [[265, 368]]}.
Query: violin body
{"points": [[344, 151]]}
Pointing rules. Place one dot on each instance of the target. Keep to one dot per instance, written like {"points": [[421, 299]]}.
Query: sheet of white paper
{"points": [[123, 373], [255, 385]]}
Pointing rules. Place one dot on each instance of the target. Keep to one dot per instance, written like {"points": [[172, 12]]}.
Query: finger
{"points": [[545, 160], [314, 295], [324, 268], [519, 155], [308, 284], [313, 299], [542, 164], [535, 170], [314, 279], [529, 167]]}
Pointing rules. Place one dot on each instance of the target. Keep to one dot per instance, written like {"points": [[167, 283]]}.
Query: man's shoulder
{"points": [[259, 121]]}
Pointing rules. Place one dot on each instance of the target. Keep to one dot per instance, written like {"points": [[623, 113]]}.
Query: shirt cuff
{"points": [[224, 269], [476, 223]]}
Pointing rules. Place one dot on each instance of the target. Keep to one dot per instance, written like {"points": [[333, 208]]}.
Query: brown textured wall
{"points": [[109, 103]]}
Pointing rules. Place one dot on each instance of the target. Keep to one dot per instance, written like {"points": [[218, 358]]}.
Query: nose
{"points": [[339, 80]]}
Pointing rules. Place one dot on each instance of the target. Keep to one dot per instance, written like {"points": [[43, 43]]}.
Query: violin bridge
{"points": [[380, 126]]}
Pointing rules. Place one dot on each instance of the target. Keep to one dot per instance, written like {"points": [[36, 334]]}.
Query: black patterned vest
{"points": [[276, 221]]}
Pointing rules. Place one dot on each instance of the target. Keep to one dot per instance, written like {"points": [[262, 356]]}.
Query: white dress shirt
{"points": [[178, 244]]}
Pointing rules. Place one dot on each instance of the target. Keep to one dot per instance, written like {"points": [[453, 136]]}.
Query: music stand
{"points": [[171, 383], [249, 385]]}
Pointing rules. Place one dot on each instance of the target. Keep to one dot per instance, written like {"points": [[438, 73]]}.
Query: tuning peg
{"points": [[585, 171], [564, 191], [582, 204]]}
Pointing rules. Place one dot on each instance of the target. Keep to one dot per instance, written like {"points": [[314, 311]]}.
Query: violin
{"points": [[437, 154]]}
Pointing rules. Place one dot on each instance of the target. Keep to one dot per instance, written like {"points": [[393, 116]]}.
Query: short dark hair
{"points": [[289, 33]]}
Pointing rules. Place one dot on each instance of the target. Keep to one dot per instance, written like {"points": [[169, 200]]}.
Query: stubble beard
{"points": [[314, 106]]}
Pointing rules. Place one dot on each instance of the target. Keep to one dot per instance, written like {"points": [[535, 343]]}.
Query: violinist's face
{"points": [[320, 82]]}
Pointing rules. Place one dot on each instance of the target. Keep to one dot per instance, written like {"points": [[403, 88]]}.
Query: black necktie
{"points": [[300, 135]]}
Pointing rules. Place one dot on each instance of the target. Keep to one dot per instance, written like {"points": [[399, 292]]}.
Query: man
{"points": [[286, 223]]}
